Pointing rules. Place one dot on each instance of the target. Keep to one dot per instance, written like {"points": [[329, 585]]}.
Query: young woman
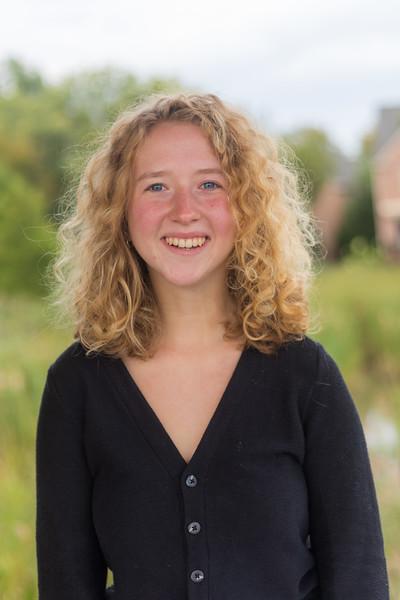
{"points": [[193, 439]]}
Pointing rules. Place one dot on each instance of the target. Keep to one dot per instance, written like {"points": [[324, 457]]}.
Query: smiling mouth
{"points": [[187, 243], [187, 250]]}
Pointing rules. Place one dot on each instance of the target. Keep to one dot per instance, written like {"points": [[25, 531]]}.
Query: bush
{"points": [[26, 240]]}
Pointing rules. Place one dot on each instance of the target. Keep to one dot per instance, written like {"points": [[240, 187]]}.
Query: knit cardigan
{"points": [[278, 501]]}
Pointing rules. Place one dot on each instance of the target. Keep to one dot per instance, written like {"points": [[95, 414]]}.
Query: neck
{"points": [[193, 320]]}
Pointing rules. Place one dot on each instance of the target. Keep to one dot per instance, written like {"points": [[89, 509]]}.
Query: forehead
{"points": [[175, 140]]}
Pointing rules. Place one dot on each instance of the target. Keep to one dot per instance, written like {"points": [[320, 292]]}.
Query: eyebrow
{"points": [[151, 174]]}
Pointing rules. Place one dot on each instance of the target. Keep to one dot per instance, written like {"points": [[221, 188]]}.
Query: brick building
{"points": [[386, 182]]}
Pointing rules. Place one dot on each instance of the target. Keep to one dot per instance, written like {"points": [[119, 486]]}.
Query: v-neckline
{"points": [[156, 434]]}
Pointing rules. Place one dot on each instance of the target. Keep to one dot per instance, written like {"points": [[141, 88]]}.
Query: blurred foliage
{"points": [[360, 327], [25, 242], [320, 160], [315, 155], [358, 223], [43, 125], [17, 78]]}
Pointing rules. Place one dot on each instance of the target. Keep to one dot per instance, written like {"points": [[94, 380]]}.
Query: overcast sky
{"points": [[287, 63]]}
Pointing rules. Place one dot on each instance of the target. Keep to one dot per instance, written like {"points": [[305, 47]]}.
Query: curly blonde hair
{"points": [[103, 286]]}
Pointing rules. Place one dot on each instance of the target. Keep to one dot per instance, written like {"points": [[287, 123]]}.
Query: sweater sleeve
{"points": [[345, 528], [69, 560]]}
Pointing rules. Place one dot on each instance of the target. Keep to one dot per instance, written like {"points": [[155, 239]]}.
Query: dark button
{"points": [[191, 480], [194, 527], [197, 576]]}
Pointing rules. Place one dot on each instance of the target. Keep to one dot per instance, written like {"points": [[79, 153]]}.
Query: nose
{"points": [[184, 207]]}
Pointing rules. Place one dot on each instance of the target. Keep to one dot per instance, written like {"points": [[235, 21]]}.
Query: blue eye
{"points": [[212, 183], [154, 185]]}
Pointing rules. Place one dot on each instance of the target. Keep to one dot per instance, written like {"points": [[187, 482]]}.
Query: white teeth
{"points": [[185, 243]]}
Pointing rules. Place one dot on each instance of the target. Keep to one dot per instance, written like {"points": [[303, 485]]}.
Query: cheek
{"points": [[223, 218], [142, 219]]}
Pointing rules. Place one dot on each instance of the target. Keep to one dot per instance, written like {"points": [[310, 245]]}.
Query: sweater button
{"points": [[197, 576], [191, 481], [194, 527]]}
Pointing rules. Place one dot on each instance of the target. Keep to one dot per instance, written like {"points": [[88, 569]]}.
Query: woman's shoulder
{"points": [[74, 360], [300, 354], [305, 347], [309, 359], [303, 361]]}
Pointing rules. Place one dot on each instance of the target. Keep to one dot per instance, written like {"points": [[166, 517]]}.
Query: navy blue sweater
{"points": [[278, 501]]}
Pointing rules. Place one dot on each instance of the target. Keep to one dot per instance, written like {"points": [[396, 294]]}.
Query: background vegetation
{"points": [[46, 131]]}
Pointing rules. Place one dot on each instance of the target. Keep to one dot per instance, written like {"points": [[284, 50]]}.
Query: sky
{"points": [[287, 63]]}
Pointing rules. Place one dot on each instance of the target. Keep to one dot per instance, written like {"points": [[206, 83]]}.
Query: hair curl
{"points": [[102, 285]]}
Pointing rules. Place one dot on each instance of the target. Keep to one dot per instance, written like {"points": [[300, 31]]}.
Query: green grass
{"points": [[358, 303]]}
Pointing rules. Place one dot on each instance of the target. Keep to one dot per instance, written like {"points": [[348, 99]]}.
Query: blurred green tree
{"points": [[46, 130], [18, 78], [315, 155], [358, 222], [26, 241]]}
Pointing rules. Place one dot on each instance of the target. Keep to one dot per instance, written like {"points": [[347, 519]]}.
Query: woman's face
{"points": [[180, 195]]}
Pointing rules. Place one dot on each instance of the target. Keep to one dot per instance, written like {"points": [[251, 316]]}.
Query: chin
{"points": [[184, 281]]}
